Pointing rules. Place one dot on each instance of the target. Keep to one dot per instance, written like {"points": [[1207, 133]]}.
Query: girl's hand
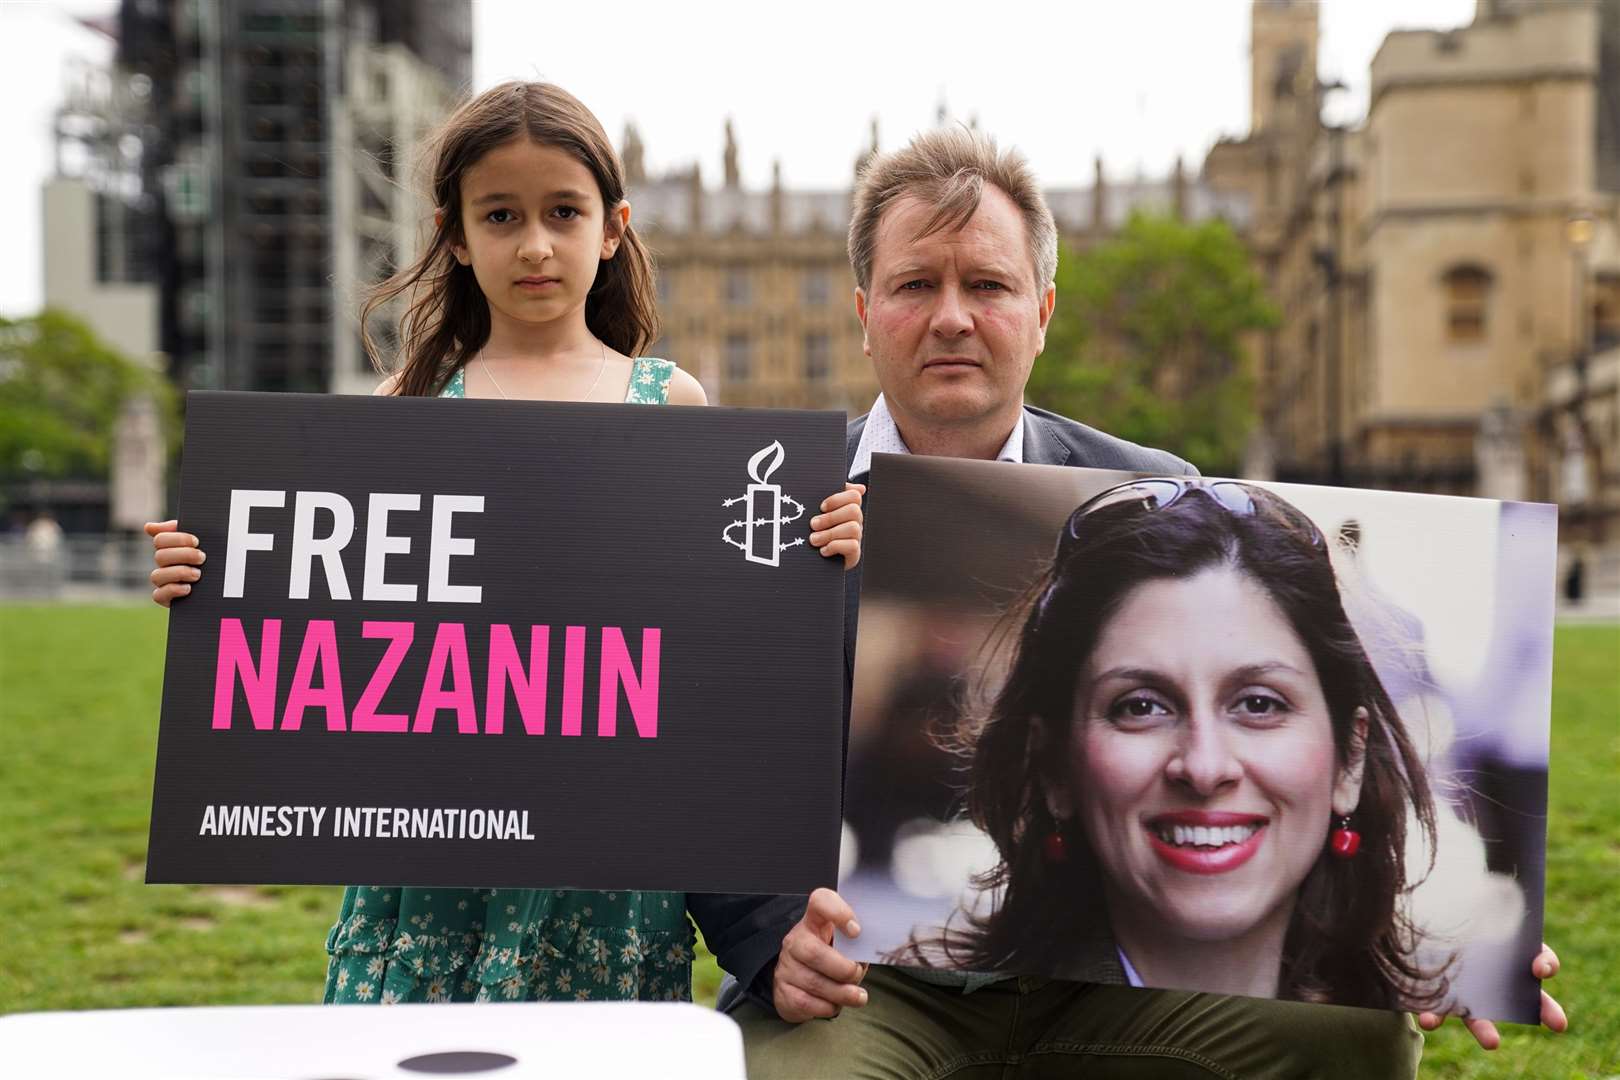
{"points": [[177, 556], [837, 529]]}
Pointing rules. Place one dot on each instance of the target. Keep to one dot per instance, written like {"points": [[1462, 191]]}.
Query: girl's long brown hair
{"points": [[447, 318], [1350, 941]]}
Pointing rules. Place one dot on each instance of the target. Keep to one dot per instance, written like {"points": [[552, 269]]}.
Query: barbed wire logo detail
{"points": [[761, 528]]}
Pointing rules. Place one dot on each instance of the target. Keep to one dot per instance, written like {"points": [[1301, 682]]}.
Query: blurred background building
{"points": [[224, 193], [755, 287], [249, 164], [102, 265], [1448, 271], [1445, 271], [272, 136]]}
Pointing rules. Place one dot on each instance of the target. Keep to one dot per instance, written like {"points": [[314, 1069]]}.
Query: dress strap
{"points": [[649, 381]]}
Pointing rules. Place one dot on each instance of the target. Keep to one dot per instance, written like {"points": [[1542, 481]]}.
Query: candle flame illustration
{"points": [[775, 453], [758, 533]]}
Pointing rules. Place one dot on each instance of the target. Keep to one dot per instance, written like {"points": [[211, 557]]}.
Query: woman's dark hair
{"points": [[447, 320], [1349, 941]]}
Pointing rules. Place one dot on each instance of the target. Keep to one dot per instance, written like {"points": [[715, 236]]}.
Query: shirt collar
{"points": [[1131, 976], [881, 436]]}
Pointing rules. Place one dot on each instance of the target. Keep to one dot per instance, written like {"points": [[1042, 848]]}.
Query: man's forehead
{"points": [[993, 233]]}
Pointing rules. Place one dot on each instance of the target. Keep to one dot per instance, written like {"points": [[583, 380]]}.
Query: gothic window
{"points": [[1467, 297], [1289, 76], [737, 285], [1606, 312], [1573, 479], [739, 360], [816, 288], [817, 358]]}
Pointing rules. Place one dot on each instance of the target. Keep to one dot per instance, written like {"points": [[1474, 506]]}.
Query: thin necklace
{"points": [[490, 375]]}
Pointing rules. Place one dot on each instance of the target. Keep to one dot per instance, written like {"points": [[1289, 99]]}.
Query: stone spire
{"points": [[634, 155], [733, 174], [1099, 200], [776, 195], [871, 152], [694, 194]]}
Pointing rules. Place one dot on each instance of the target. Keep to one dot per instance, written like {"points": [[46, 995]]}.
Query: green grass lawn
{"points": [[79, 694]]}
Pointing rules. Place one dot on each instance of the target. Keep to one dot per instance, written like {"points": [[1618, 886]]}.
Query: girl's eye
{"points": [[567, 213], [499, 217]]}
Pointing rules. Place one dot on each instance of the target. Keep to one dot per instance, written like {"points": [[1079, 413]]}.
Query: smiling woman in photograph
{"points": [[1192, 774]]}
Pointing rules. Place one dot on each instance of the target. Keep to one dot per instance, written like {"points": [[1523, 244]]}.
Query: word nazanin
{"points": [[317, 680]]}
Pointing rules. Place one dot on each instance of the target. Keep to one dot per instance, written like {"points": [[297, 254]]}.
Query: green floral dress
{"points": [[409, 944]]}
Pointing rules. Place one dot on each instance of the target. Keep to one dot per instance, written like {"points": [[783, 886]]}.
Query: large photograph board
{"points": [[490, 643], [1265, 739]]}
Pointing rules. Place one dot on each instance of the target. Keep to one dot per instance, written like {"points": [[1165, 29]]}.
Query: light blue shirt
{"points": [[1131, 976], [881, 436]]}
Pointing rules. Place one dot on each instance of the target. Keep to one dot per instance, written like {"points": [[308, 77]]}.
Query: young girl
{"points": [[535, 286]]}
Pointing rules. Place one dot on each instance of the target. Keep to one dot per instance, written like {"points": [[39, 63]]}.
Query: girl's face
{"points": [[535, 230], [1201, 759]]}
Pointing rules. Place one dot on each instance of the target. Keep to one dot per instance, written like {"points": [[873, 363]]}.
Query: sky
{"points": [[1138, 82]]}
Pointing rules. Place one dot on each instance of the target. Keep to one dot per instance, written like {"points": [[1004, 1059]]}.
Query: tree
{"points": [[1146, 339], [61, 390]]}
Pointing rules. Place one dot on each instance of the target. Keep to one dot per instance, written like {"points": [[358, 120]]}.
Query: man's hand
{"points": [[1544, 966], [812, 978]]}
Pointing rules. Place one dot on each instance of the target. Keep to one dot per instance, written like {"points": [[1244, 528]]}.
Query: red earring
{"points": [[1345, 841], [1052, 846]]}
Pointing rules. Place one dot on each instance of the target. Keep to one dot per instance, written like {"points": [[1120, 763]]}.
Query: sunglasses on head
{"points": [[1157, 493]]}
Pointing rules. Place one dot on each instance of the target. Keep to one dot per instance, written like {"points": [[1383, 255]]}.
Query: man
{"points": [[954, 252]]}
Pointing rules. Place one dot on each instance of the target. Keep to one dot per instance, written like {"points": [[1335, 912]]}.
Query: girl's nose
{"points": [[536, 244]]}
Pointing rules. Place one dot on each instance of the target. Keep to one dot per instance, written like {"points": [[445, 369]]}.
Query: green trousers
{"points": [[1033, 1029]]}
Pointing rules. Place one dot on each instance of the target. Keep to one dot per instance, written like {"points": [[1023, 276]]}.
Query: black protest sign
{"points": [[491, 643]]}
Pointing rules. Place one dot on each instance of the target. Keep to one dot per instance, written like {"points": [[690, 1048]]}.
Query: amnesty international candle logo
{"points": [[761, 527]]}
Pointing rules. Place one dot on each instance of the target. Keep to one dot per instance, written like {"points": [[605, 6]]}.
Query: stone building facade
{"points": [[755, 287], [1448, 270]]}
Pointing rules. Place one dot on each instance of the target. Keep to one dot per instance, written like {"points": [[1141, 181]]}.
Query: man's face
{"points": [[954, 320]]}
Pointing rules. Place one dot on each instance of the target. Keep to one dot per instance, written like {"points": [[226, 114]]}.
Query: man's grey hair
{"points": [[948, 168]]}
